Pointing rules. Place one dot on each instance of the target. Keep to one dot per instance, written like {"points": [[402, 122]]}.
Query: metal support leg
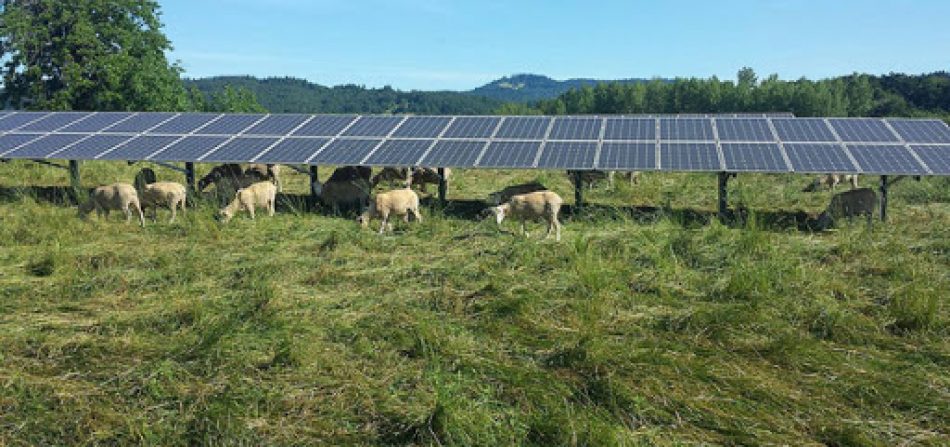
{"points": [[578, 191], [443, 187], [314, 180], [723, 195], [190, 176], [74, 180], [883, 198]]}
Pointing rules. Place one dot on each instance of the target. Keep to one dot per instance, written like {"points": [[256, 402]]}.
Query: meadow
{"points": [[650, 323]]}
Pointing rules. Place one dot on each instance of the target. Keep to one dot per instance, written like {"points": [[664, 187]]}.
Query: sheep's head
{"points": [[225, 215], [499, 212]]}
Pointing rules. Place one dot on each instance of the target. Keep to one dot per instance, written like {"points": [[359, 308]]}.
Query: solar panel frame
{"points": [[886, 159], [627, 156], [765, 157], [921, 131], [574, 155], [936, 157], [820, 158], [690, 157], [498, 154]]}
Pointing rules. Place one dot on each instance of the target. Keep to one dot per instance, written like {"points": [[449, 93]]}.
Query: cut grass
{"points": [[659, 326]]}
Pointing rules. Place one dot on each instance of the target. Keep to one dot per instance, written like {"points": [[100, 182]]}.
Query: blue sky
{"points": [[458, 45]]}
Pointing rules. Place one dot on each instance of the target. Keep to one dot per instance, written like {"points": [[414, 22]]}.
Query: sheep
{"points": [[831, 181], [849, 204], [117, 196], [262, 171], [145, 176], [499, 197], [422, 176], [339, 195], [390, 174], [260, 194], [399, 202], [543, 205], [225, 171], [589, 177], [633, 176], [165, 194], [348, 173]]}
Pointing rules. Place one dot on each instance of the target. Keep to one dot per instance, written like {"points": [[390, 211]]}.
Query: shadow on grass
{"points": [[475, 209]]}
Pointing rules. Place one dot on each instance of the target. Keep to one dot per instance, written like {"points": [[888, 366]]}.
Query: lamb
{"points": [[832, 181], [399, 202], [389, 174], [262, 171], [260, 194], [499, 197], [848, 204], [165, 194], [543, 205], [117, 196]]}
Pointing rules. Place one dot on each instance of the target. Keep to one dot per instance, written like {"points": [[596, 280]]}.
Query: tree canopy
{"points": [[87, 55]]}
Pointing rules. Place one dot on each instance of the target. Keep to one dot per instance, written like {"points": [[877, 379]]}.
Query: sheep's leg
{"points": [[557, 229], [405, 217], [524, 228], [271, 208], [250, 210], [417, 215], [138, 208], [382, 225], [174, 207]]}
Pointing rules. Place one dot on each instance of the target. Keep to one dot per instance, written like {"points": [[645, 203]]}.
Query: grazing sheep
{"points": [[225, 171], [544, 205], [340, 195], [145, 176], [117, 196], [169, 195], [392, 175], [270, 172], [633, 176], [590, 177], [422, 176], [260, 194], [349, 173], [848, 204], [399, 202], [499, 197], [831, 181]]}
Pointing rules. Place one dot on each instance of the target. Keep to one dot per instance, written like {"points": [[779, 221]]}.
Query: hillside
{"points": [[645, 326], [291, 95], [527, 88]]}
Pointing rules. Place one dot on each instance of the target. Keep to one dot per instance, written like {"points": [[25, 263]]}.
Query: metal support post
{"points": [[443, 187], [314, 180], [74, 180], [884, 198], [190, 177], [578, 191], [723, 195]]}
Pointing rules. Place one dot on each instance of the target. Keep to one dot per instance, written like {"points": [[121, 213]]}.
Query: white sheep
{"points": [[831, 181], [399, 202], [262, 171], [543, 205], [117, 196], [499, 197], [169, 195], [260, 194], [848, 204]]}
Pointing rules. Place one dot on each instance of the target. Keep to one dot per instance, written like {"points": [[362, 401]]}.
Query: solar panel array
{"points": [[712, 143]]}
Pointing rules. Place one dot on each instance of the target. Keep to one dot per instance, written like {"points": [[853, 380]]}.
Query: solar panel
{"points": [[454, 153], [139, 123], [630, 129], [345, 152], [576, 129], [524, 127], [230, 124], [689, 157], [800, 130], [862, 130], [293, 150], [398, 153], [325, 126], [921, 131], [422, 127], [90, 147], [278, 125], [44, 146], [936, 157], [819, 158], [689, 129], [373, 126], [744, 129], [185, 123], [138, 148], [97, 122], [753, 157], [19, 119], [891, 159], [240, 149], [472, 127], [188, 148], [568, 155], [510, 154], [53, 121], [627, 156]]}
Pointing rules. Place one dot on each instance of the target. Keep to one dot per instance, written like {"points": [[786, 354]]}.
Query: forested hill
{"points": [[528, 88], [291, 95]]}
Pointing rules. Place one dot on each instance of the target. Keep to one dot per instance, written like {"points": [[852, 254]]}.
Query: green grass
{"points": [[652, 327]]}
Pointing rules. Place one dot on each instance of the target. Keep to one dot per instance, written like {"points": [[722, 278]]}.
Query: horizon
{"points": [[457, 46]]}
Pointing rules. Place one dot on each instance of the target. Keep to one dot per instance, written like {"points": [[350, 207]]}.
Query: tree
{"points": [[87, 55], [234, 100]]}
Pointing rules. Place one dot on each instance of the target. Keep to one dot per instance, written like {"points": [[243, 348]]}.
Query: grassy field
{"points": [[649, 326]]}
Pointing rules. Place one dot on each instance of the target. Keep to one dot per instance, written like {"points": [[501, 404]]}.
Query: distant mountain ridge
{"points": [[527, 88]]}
